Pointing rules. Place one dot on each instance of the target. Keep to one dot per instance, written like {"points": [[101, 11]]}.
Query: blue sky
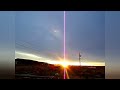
{"points": [[42, 33]]}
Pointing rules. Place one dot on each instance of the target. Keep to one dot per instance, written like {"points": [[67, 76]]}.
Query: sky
{"points": [[112, 44], [41, 33]]}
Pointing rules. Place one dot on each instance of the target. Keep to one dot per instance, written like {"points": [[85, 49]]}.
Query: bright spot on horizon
{"points": [[64, 64]]}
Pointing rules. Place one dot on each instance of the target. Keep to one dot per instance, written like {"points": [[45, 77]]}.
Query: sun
{"points": [[64, 64]]}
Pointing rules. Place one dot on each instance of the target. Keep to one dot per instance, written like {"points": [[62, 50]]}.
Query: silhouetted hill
{"points": [[32, 69], [27, 62]]}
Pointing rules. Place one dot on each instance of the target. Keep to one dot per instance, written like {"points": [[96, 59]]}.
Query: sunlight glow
{"points": [[60, 61], [64, 64], [28, 55]]}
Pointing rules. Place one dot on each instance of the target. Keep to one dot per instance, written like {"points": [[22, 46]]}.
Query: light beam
{"points": [[64, 44]]}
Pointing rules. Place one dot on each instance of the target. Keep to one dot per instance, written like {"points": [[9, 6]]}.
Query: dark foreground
{"points": [[28, 69]]}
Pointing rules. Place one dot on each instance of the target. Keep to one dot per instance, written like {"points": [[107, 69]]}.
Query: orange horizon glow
{"points": [[59, 60], [65, 64]]}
